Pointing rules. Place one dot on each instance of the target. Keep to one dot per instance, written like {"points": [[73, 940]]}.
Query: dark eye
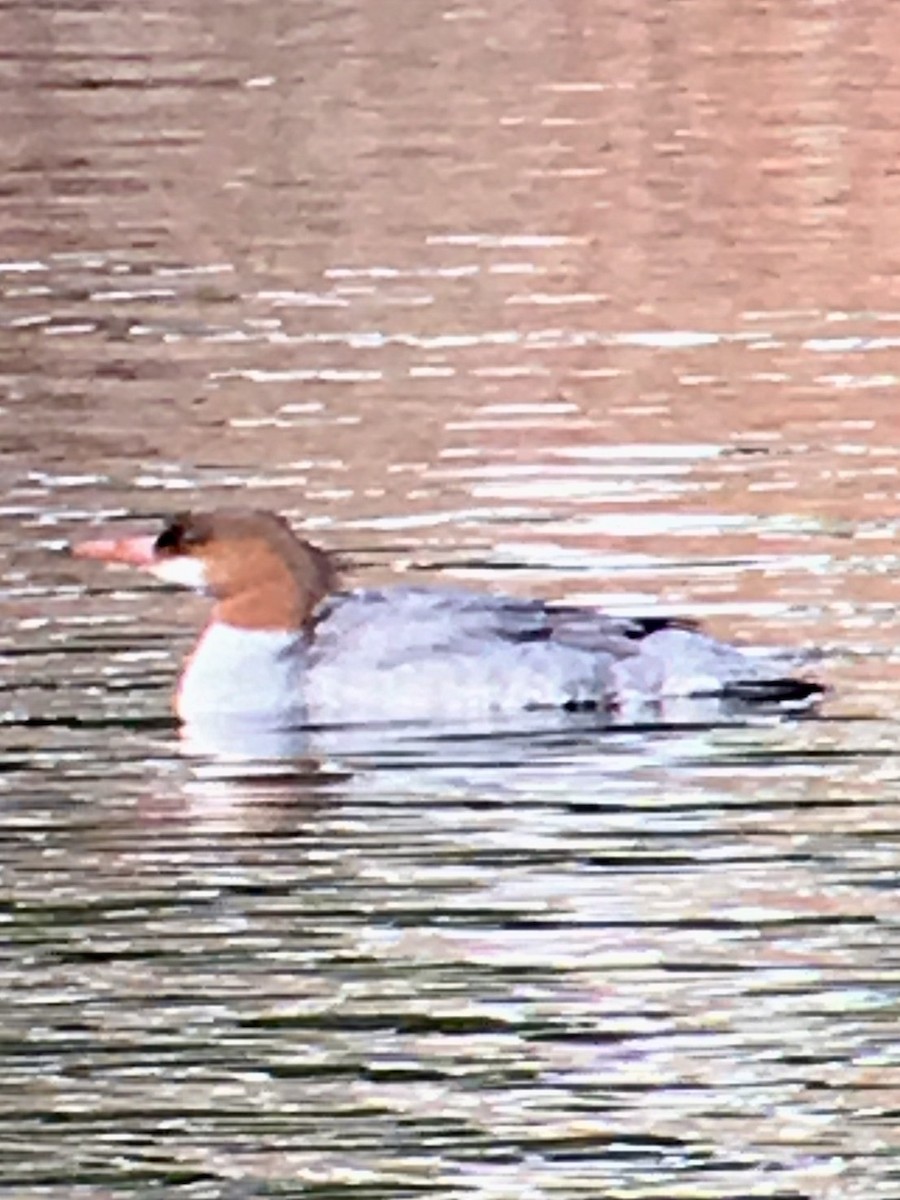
{"points": [[179, 536], [172, 537]]}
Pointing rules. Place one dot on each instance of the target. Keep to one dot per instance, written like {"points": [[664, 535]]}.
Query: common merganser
{"points": [[285, 648]]}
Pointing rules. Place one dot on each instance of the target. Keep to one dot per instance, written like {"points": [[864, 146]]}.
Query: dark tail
{"points": [[772, 691]]}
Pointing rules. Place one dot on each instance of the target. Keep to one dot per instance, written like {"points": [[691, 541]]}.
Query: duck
{"points": [[286, 646]]}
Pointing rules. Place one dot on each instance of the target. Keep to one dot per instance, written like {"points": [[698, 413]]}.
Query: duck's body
{"points": [[284, 648]]}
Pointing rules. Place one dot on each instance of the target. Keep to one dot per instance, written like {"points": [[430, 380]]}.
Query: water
{"points": [[591, 302]]}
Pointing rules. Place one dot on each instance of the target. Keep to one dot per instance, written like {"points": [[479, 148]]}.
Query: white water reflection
{"points": [[618, 957]]}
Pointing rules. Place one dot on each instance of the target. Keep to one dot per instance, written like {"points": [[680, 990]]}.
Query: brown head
{"points": [[259, 573]]}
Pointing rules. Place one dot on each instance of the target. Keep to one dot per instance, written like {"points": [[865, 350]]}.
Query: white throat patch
{"points": [[182, 569]]}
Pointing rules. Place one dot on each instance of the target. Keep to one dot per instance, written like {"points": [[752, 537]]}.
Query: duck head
{"points": [[249, 561]]}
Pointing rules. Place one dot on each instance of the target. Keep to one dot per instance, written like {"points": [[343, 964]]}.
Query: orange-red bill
{"points": [[135, 551]]}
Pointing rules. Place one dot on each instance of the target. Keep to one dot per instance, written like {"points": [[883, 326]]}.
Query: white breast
{"points": [[245, 673]]}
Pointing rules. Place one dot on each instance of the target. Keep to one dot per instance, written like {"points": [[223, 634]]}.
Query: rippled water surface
{"points": [[593, 301]]}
